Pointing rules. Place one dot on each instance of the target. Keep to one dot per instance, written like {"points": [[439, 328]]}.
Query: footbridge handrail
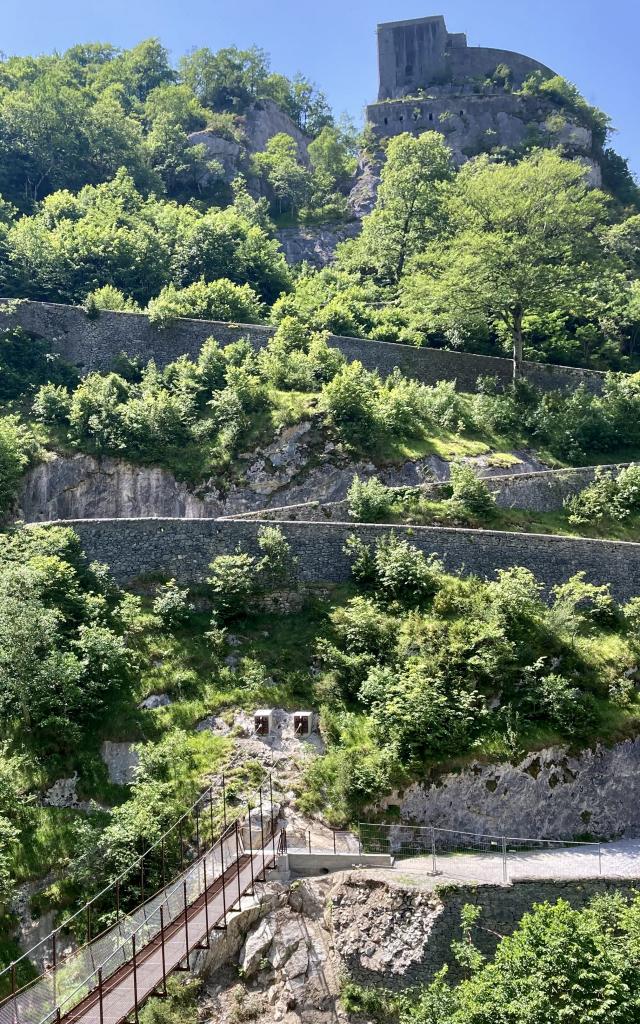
{"points": [[220, 862]]}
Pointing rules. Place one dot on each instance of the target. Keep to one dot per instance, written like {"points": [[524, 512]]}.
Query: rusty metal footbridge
{"points": [[108, 978]]}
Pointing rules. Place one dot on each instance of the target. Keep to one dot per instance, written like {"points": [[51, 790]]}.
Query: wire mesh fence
{"points": [[301, 840], [70, 980], [486, 857]]}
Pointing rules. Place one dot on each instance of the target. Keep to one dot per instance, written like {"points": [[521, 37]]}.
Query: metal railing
{"points": [[72, 978], [483, 856]]}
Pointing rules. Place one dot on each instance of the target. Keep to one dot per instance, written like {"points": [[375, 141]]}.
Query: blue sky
{"points": [[334, 43]]}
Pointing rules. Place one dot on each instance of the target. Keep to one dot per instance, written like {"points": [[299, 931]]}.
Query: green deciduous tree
{"points": [[524, 239], [409, 211]]}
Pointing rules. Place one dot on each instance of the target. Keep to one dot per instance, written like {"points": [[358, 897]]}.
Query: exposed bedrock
{"points": [[84, 487], [550, 793]]}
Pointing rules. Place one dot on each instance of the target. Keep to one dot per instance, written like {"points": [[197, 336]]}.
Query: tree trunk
{"points": [[517, 345]]}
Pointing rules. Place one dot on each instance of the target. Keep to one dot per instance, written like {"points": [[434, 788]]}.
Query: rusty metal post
{"points": [[54, 961], [198, 831], [224, 800], [253, 889], [100, 997], [273, 834], [13, 980], [224, 884], [211, 819], [117, 900], [264, 873], [164, 964], [135, 977], [181, 848], [186, 922], [238, 867], [164, 876], [206, 902]]}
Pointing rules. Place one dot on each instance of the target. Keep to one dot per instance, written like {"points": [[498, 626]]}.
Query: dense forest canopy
{"points": [[103, 189]]}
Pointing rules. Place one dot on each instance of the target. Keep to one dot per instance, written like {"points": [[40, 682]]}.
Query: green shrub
{"points": [[349, 401], [18, 449], [395, 569], [52, 404], [213, 300], [470, 495], [369, 500], [172, 605], [109, 297], [607, 497]]}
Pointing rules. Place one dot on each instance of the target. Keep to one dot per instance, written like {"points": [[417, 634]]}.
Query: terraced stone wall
{"points": [[183, 548], [93, 344]]}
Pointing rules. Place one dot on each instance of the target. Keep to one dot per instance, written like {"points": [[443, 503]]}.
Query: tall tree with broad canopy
{"points": [[409, 208], [524, 240]]}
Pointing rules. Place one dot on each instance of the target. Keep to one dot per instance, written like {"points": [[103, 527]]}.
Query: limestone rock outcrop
{"points": [[552, 793]]}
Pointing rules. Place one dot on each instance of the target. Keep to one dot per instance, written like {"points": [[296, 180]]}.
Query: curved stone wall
{"points": [[183, 548], [94, 344]]}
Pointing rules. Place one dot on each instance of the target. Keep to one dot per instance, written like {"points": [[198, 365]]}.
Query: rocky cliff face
{"points": [[550, 793], [300, 465], [315, 244], [262, 121]]}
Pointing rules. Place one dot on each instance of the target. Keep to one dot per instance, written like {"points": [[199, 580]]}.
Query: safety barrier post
{"points": [[162, 854], [253, 889], [100, 997], [186, 923], [264, 873], [206, 903], [334, 839], [54, 961], [13, 980], [224, 800], [88, 922], [224, 885], [164, 964], [117, 900], [238, 868], [434, 860], [198, 830], [211, 821], [505, 876], [181, 848], [142, 878], [309, 839], [600, 859], [135, 977], [273, 834]]}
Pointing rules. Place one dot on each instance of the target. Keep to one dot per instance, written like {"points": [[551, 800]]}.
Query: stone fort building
{"points": [[430, 79], [416, 54]]}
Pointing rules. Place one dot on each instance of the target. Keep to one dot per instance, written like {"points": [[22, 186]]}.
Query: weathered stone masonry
{"points": [[93, 344], [184, 547]]}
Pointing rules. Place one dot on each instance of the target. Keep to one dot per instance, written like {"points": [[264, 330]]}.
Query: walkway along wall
{"points": [[93, 344], [183, 548]]}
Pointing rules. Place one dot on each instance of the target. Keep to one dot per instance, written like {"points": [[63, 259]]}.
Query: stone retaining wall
{"points": [[93, 344], [184, 547], [535, 492]]}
